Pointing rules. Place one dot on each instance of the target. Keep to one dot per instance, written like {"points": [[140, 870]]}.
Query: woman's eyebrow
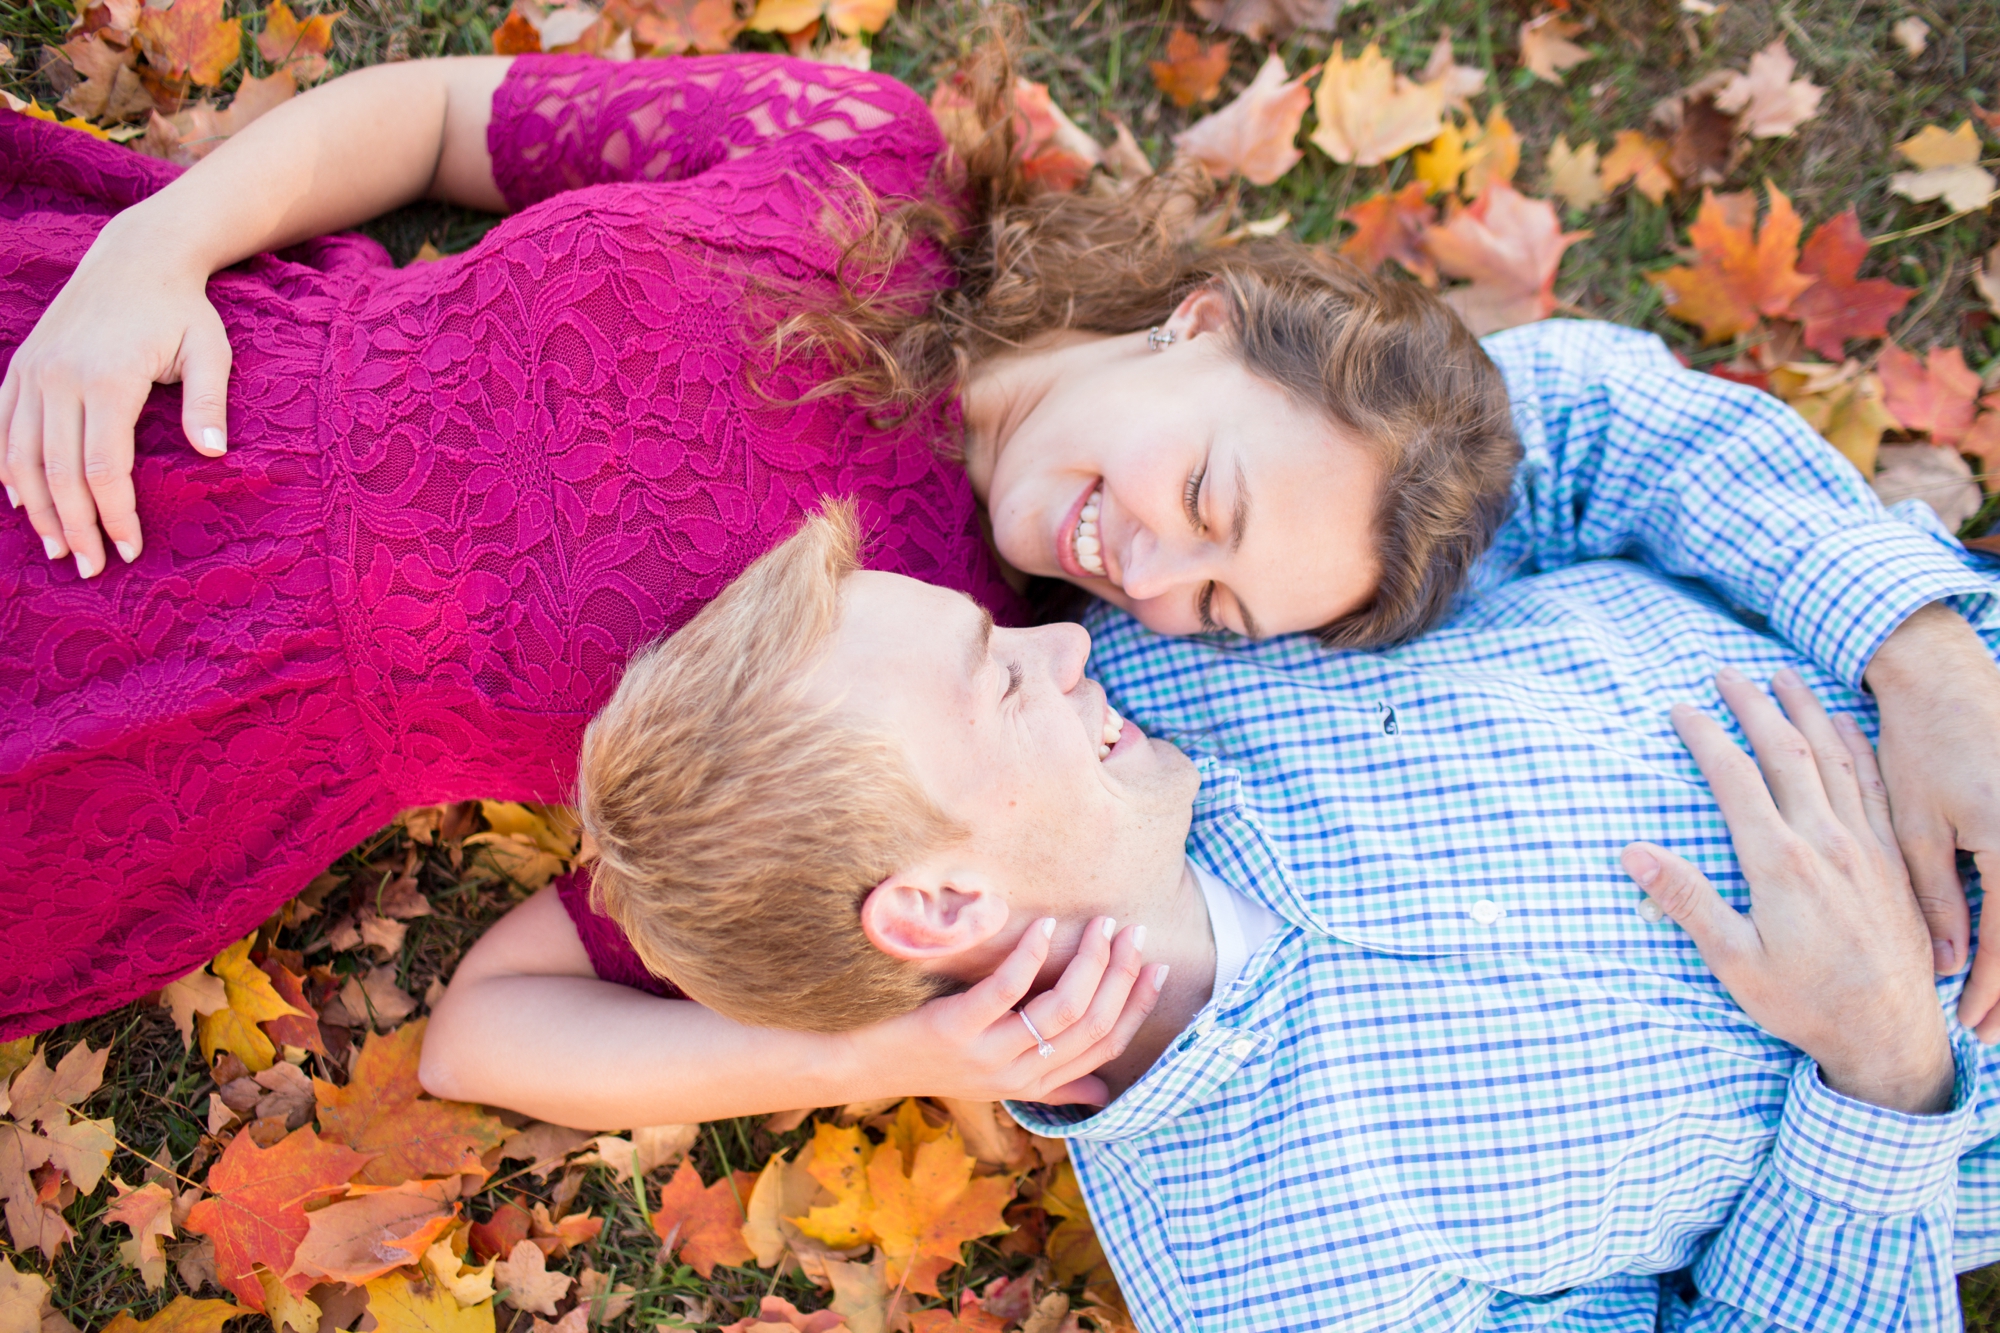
{"points": [[1239, 518], [980, 643]]}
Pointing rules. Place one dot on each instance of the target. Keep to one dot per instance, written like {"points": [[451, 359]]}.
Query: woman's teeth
{"points": [[1114, 727], [1084, 541]]}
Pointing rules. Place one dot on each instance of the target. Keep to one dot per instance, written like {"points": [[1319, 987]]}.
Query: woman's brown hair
{"points": [[1381, 357]]}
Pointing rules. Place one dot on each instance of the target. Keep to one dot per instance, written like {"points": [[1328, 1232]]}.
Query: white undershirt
{"points": [[1239, 925]]}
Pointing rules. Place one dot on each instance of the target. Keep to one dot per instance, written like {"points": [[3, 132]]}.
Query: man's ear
{"points": [[1203, 310], [926, 916]]}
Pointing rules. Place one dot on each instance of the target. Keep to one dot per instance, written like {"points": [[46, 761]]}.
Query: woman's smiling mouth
{"points": [[1079, 549]]}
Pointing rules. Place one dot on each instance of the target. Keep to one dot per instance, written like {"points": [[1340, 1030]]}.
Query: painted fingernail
{"points": [[55, 548], [1110, 926], [127, 551], [1139, 938], [83, 566], [1640, 866], [12, 498], [1946, 956], [1048, 927], [213, 439], [1160, 977]]}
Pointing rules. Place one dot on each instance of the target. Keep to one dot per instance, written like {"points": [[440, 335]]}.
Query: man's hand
{"points": [[1939, 694], [1834, 956], [975, 1046]]}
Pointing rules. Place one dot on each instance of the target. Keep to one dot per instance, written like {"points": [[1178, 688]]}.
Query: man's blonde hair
{"points": [[739, 826]]}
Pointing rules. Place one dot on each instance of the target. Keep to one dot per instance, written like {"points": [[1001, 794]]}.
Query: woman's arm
{"points": [[136, 311], [526, 1024]]}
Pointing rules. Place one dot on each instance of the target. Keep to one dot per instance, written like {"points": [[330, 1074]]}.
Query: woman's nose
{"points": [[1153, 568]]}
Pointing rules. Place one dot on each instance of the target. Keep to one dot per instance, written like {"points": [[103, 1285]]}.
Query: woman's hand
{"points": [[126, 320], [1833, 956], [975, 1046]]}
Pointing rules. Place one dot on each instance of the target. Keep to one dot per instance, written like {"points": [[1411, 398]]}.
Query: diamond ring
{"points": [[1042, 1047]]}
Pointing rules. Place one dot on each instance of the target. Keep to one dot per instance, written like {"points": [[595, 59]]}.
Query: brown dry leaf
{"points": [[1949, 169], [191, 40], [1393, 226], [543, 1146], [195, 993], [295, 45], [1941, 478], [862, 1295], [1455, 82], [23, 1298], [149, 1212], [356, 1240], [1768, 102], [1912, 34], [1253, 136], [1843, 403], [75, 1149], [1192, 71], [1270, 19], [375, 1000], [1736, 276], [1573, 175], [1641, 159], [1368, 113], [1510, 247], [525, 1283], [111, 90], [1703, 146], [655, 1146], [1986, 280], [990, 1134], [784, 1190], [1546, 48], [602, 1302]]}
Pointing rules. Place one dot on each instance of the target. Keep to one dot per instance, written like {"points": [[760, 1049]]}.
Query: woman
{"points": [[435, 509]]}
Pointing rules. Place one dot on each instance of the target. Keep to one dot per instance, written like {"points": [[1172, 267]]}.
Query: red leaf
{"points": [[257, 1213], [1391, 226], [1938, 395], [1837, 307], [383, 1110], [499, 1234], [300, 1029], [704, 1225], [1737, 275], [1510, 246]]}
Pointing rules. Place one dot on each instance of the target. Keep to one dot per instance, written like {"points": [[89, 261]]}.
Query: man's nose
{"points": [[1064, 648]]}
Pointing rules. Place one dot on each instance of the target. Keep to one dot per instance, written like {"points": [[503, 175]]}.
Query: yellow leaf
{"points": [[1932, 147], [402, 1306], [184, 1315], [1368, 113], [195, 993], [852, 17], [1573, 176], [447, 1268], [840, 1163], [1441, 164], [922, 1218], [785, 15], [1493, 157], [251, 1001]]}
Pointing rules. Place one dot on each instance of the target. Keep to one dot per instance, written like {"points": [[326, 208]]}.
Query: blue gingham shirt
{"points": [[1464, 1084]]}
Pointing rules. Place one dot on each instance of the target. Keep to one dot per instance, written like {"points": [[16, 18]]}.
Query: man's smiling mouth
{"points": [[1114, 727]]}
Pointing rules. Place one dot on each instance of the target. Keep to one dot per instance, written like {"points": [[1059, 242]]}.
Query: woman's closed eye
{"points": [[1191, 498]]}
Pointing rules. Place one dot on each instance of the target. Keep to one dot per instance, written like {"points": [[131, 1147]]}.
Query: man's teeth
{"points": [[1114, 727], [1084, 541]]}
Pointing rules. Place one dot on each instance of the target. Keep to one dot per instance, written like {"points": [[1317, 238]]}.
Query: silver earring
{"points": [[1159, 339]]}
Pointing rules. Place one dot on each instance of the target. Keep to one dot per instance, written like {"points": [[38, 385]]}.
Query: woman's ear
{"points": [[923, 917], [1203, 310]]}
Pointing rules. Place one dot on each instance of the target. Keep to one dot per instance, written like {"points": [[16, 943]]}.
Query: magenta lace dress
{"points": [[458, 497]]}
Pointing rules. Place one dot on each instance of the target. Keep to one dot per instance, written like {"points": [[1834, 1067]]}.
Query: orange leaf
{"points": [[1391, 226], [191, 40], [299, 47], [1253, 135], [1641, 159], [1983, 443], [383, 1110], [669, 27], [1510, 247], [517, 36], [1057, 152], [1546, 48], [1837, 307], [256, 1213], [1191, 72], [359, 1239], [972, 1317], [1735, 276], [300, 1029], [184, 1315], [922, 1218], [499, 1234], [704, 1225], [776, 1313], [1938, 395]]}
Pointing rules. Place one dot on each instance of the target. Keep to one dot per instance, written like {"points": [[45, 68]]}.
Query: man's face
{"points": [[1009, 738]]}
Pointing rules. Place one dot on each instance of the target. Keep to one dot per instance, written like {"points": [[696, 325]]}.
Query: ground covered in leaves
{"points": [[1798, 197]]}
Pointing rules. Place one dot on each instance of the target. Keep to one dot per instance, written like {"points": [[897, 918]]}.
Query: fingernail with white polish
{"points": [[213, 439], [127, 551], [12, 498], [54, 547], [1139, 938], [1160, 977], [83, 569], [1110, 927], [1048, 927]]}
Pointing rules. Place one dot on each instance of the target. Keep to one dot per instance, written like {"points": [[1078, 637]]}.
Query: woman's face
{"points": [[1183, 488]]}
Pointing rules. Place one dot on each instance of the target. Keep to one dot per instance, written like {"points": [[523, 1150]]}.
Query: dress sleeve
{"points": [[563, 122], [611, 954], [1625, 453]]}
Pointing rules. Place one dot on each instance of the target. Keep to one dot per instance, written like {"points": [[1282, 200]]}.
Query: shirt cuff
{"points": [[1848, 592], [1868, 1159]]}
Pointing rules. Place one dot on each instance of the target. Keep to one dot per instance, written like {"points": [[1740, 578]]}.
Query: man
{"points": [[1424, 1056]]}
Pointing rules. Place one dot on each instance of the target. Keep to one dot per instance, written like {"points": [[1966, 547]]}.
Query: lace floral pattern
{"points": [[458, 497]]}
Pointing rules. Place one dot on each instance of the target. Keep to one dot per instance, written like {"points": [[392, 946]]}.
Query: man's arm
{"points": [[526, 1024]]}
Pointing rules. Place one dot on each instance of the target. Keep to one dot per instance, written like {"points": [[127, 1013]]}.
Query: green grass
{"points": [[1094, 54]]}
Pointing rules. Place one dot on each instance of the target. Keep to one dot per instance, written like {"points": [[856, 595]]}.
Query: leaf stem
{"points": [[1908, 232], [155, 1165]]}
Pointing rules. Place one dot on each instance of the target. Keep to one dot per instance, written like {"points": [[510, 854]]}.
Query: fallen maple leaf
{"points": [[1842, 403], [1941, 478], [1546, 48], [1768, 102], [1573, 175], [840, 1163], [77, 1148], [1368, 113], [1937, 395], [972, 1317], [861, 1293], [786, 15], [704, 1226], [1950, 169], [775, 1314], [1838, 306], [1510, 248], [400, 1305], [1736, 277], [111, 89], [525, 1283], [183, 1315], [149, 1212], [1054, 149], [923, 1216], [1441, 162], [784, 1191], [1492, 156], [1273, 19], [356, 1240], [542, 1146], [196, 993], [191, 40], [251, 1001], [669, 27], [1254, 134], [1456, 83], [1912, 34], [24, 1298], [1703, 145], [256, 1213], [1392, 226], [500, 1233], [300, 47], [516, 36], [1191, 72], [848, 17], [383, 1110], [300, 1029], [649, 1148], [1641, 159], [373, 999]]}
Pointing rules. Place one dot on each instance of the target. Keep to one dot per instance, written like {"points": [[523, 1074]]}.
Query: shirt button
{"points": [[1486, 911], [1204, 1027], [1649, 912], [1241, 1047]]}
